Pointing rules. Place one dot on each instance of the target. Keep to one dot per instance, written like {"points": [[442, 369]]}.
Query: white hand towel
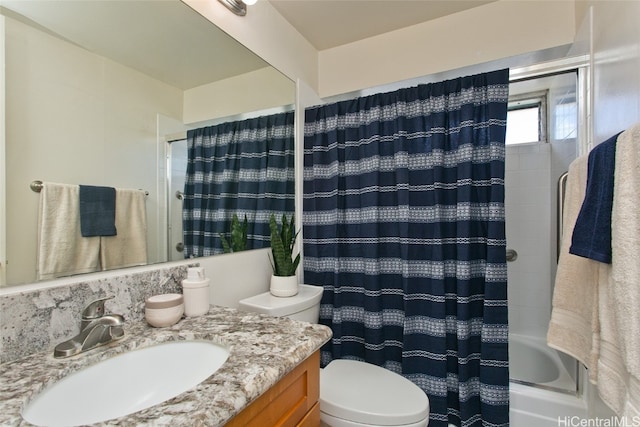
{"points": [[574, 327], [129, 247], [62, 251]]}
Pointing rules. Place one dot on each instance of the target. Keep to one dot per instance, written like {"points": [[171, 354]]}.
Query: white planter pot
{"points": [[284, 286]]}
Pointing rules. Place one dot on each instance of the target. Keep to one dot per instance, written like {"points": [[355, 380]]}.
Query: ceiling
{"points": [[330, 23]]}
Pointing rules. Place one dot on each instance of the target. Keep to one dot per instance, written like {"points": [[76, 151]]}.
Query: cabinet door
{"points": [[292, 401]]}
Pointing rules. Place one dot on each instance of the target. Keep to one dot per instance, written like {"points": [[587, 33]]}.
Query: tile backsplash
{"points": [[37, 320]]}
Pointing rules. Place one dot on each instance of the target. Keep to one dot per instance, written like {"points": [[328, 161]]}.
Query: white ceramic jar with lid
{"points": [[195, 289], [164, 310]]}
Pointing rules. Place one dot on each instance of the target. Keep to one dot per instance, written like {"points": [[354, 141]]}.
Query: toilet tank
{"points": [[305, 305]]}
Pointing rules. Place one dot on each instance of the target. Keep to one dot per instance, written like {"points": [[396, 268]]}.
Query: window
{"points": [[526, 118], [566, 119]]}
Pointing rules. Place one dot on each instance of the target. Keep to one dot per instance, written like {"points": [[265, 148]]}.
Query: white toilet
{"points": [[352, 393]]}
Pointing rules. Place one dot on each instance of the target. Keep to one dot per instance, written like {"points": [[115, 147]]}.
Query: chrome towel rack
{"points": [[36, 186], [562, 188]]}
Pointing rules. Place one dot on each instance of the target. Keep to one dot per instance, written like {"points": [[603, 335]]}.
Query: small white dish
{"points": [[164, 310]]}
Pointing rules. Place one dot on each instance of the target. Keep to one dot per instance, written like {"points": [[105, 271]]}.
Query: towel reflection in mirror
{"points": [[62, 249]]}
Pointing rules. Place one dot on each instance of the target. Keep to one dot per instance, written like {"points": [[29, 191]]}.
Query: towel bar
{"points": [[562, 187], [36, 186]]}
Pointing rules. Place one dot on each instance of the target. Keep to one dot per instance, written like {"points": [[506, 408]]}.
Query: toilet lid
{"points": [[307, 296], [368, 394]]}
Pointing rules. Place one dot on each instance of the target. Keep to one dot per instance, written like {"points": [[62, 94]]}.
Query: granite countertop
{"points": [[263, 349]]}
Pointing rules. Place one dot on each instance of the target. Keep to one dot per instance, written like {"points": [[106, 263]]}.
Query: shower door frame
{"points": [[172, 244], [581, 65]]}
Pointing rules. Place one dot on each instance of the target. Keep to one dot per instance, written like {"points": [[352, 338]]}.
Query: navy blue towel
{"points": [[97, 211], [592, 233]]}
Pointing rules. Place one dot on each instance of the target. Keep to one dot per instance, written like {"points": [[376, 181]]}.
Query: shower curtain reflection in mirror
{"points": [[243, 168]]}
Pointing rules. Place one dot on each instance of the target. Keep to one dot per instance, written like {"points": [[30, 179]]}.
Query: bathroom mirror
{"points": [[96, 88]]}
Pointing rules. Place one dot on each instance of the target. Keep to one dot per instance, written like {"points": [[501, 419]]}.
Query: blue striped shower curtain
{"points": [[244, 168], [404, 227]]}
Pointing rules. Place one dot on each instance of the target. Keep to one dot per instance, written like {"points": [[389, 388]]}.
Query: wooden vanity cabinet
{"points": [[292, 401]]}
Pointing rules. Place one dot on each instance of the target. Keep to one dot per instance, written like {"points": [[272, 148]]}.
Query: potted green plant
{"points": [[238, 236], [284, 282]]}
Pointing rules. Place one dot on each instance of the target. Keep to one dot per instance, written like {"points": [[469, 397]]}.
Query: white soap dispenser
{"points": [[195, 289]]}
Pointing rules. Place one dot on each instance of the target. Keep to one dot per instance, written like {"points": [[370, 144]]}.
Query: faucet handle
{"points": [[95, 309]]}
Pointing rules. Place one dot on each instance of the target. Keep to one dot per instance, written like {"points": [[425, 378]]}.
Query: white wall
{"points": [[485, 33], [616, 56], [237, 276]]}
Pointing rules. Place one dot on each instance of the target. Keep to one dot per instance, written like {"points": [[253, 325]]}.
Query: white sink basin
{"points": [[126, 383]]}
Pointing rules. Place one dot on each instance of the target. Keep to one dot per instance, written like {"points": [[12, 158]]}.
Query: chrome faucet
{"points": [[96, 329]]}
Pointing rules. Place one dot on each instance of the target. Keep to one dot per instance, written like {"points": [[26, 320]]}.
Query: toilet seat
{"points": [[363, 393]]}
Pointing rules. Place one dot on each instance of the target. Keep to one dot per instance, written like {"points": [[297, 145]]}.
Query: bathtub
{"points": [[536, 372], [532, 361]]}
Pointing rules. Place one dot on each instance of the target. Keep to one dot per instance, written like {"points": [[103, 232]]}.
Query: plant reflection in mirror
{"points": [[238, 236]]}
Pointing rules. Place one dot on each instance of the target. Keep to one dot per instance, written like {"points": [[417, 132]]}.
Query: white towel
{"points": [[129, 247], [611, 380], [622, 334], [574, 326], [62, 251]]}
